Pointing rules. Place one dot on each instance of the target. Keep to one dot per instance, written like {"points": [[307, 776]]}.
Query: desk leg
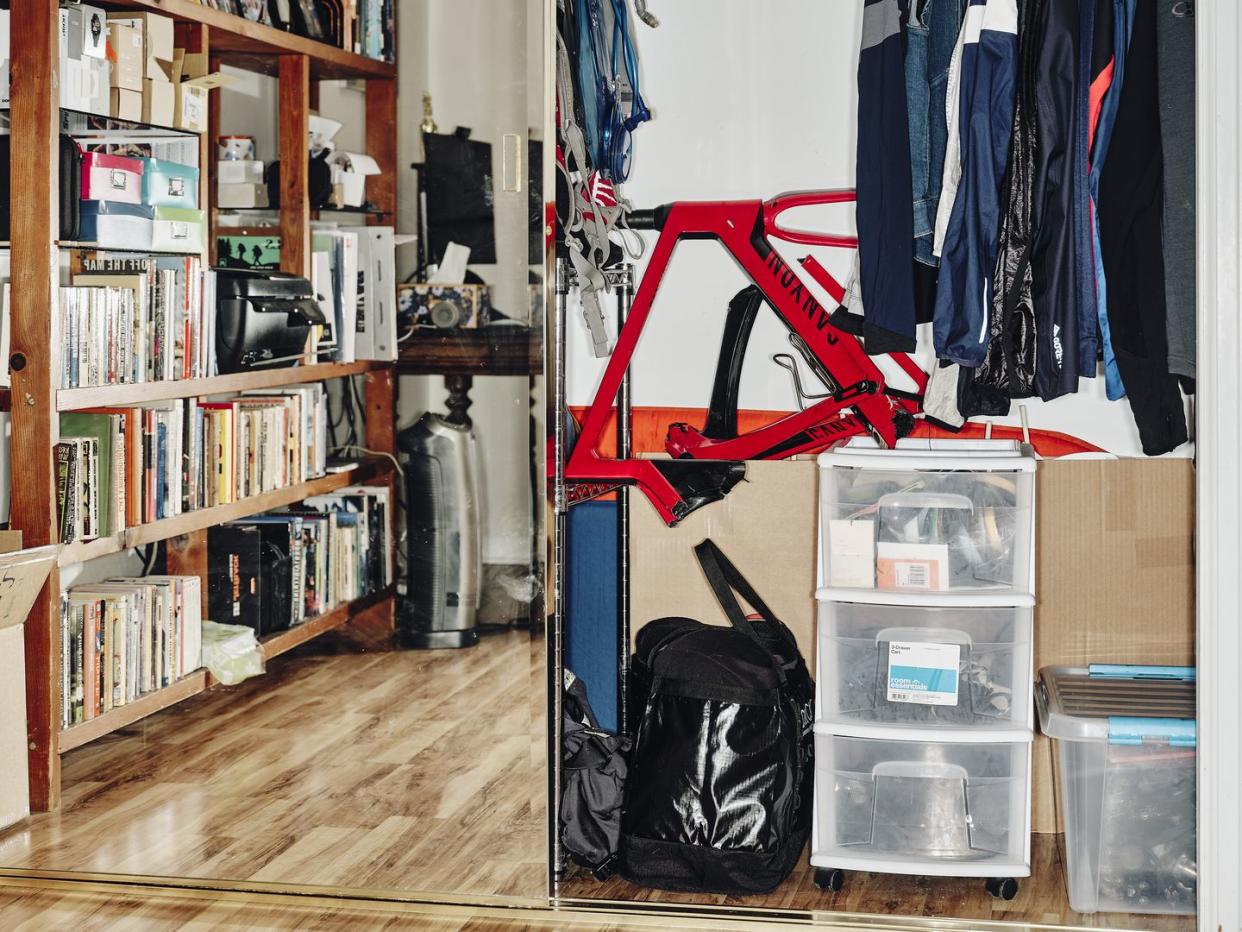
{"points": [[458, 401]]}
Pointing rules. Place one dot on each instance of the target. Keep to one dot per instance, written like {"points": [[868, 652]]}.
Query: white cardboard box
{"points": [[159, 102], [27, 569], [127, 65], [241, 196], [239, 171]]}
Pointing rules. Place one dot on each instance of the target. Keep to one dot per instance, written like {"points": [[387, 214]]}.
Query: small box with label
{"points": [[169, 184], [178, 229], [111, 178]]}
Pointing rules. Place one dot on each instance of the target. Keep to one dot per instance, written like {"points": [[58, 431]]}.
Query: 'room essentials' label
{"points": [[923, 673]]}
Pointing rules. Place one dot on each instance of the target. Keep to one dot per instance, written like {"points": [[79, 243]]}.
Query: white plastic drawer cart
{"points": [[924, 712]]}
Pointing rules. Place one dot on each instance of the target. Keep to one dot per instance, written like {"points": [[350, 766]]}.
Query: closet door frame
{"points": [[1219, 450]]}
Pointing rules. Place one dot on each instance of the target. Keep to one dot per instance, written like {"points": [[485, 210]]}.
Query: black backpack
{"points": [[719, 791], [592, 782]]}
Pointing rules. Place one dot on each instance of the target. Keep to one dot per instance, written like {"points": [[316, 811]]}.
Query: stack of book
{"points": [[281, 568], [121, 467], [126, 320], [124, 638]]}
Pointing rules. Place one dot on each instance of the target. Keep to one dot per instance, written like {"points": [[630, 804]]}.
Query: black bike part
{"points": [[1003, 888], [831, 879], [652, 218], [722, 411], [700, 482]]}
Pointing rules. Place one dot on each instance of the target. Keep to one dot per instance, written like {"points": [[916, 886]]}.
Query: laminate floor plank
{"points": [[348, 763]]}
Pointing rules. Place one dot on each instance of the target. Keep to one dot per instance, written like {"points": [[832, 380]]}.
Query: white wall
{"points": [[751, 100], [482, 63]]}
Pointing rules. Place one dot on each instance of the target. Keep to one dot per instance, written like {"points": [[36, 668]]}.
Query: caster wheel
{"points": [[1003, 888], [829, 878]]}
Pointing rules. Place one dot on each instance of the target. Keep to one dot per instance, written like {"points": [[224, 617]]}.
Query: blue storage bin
{"points": [[169, 184], [117, 226]]}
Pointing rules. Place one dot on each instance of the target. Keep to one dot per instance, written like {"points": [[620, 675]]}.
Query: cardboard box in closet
{"points": [[1114, 560], [1115, 569]]}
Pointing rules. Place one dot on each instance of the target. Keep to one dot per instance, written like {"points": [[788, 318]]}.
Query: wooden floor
{"points": [[346, 764], [351, 764], [1041, 898]]}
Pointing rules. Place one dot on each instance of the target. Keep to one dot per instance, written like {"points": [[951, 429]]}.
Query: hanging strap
{"points": [[725, 580]]}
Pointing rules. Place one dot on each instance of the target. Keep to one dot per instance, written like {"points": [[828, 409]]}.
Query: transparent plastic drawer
{"points": [[910, 803], [926, 530], [959, 666]]}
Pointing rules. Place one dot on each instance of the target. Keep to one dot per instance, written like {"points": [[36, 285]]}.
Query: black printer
{"points": [[263, 318]]}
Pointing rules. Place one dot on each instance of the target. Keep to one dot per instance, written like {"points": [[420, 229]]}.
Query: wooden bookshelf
{"points": [[238, 41], [202, 518], [75, 399], [77, 735], [200, 680], [284, 641], [36, 399]]}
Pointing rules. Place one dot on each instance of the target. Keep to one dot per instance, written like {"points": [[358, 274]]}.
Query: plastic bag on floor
{"points": [[231, 653]]}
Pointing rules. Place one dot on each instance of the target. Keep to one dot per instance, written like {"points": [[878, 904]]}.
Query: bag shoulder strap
{"points": [[725, 580]]}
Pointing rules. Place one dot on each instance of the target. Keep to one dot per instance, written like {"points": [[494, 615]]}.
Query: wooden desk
{"points": [[460, 355]]}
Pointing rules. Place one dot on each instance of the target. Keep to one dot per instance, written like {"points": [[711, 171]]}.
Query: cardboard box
{"points": [[25, 572], [85, 72], [241, 196], [239, 171], [159, 102], [766, 526], [126, 52], [1115, 575], [125, 104], [193, 81], [157, 41], [1114, 563]]}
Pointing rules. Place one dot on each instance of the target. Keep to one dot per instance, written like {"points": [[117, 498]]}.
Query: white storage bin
{"points": [[178, 229], [887, 801], [964, 665], [1125, 782], [927, 521]]}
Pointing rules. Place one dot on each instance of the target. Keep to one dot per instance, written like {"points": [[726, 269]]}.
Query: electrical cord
{"points": [[359, 449]]}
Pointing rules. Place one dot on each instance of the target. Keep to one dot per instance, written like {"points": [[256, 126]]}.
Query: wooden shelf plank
{"points": [[140, 708], [255, 47], [111, 396], [200, 680], [202, 518], [283, 641]]}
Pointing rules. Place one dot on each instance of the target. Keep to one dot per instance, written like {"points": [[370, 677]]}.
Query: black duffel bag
{"points": [[719, 791]]}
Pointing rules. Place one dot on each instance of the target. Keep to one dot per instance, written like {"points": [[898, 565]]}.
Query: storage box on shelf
{"points": [[1125, 745], [924, 715]]}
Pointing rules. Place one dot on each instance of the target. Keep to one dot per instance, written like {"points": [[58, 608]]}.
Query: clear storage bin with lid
{"points": [[961, 663], [927, 518], [1125, 741], [888, 801]]}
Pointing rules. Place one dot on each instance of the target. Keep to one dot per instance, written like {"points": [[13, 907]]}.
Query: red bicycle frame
{"points": [[860, 401]]}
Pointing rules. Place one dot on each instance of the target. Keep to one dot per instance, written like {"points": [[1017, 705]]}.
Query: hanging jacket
{"points": [[1009, 367], [1111, 38], [884, 210], [1131, 211], [1054, 277], [963, 291], [1084, 271]]}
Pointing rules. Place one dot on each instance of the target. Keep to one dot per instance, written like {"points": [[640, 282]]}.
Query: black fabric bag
{"points": [[719, 793], [592, 782]]}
